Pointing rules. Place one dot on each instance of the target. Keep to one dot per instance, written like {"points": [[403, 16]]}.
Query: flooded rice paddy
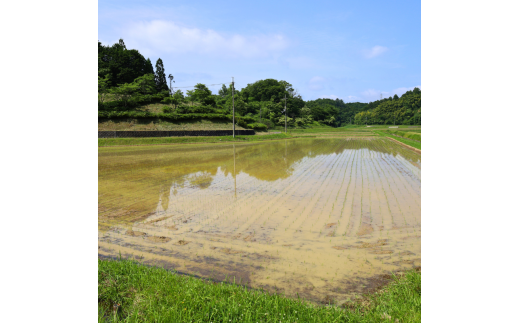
{"points": [[321, 218]]}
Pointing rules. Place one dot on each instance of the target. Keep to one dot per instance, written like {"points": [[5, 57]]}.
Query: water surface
{"points": [[321, 218]]}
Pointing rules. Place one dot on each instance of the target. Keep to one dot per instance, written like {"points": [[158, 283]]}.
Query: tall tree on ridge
{"points": [[149, 67], [124, 65], [160, 76]]}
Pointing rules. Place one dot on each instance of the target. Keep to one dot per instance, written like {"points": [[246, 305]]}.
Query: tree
{"points": [[405, 110], [160, 76], [331, 120], [103, 88], [124, 65], [396, 97], [149, 67], [175, 99], [202, 94], [178, 95], [224, 91], [306, 115], [125, 91], [281, 121], [170, 100], [145, 84]]}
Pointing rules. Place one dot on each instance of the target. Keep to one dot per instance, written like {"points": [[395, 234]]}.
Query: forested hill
{"points": [[336, 111], [397, 110], [127, 81]]}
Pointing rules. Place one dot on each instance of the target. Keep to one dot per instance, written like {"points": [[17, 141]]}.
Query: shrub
{"points": [[257, 126], [198, 109], [133, 102], [241, 122], [167, 109]]}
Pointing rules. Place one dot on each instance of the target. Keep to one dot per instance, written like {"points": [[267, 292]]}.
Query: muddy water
{"points": [[321, 218]]}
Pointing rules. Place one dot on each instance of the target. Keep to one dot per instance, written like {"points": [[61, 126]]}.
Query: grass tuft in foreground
{"points": [[131, 292]]}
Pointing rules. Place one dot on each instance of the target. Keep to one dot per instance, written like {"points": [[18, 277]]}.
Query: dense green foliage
{"points": [[121, 65], [127, 81], [160, 76], [405, 110], [131, 292], [335, 112]]}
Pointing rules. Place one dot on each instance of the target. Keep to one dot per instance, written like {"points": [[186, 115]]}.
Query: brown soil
{"points": [[230, 251], [382, 242], [330, 225], [159, 239], [365, 229], [172, 227], [158, 220], [381, 252], [135, 233], [182, 242]]}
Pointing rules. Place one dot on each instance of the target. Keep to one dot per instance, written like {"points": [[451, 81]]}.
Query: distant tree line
{"points": [[405, 110], [126, 81]]}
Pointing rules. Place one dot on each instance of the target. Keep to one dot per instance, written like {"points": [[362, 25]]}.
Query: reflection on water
{"points": [[317, 217]]}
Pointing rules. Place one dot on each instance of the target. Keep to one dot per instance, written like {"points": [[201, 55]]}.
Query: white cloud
{"points": [[160, 36], [316, 83], [375, 51]]}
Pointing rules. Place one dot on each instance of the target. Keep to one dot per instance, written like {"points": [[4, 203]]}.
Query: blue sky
{"points": [[352, 50]]}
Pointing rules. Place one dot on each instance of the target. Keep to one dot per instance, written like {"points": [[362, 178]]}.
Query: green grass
{"points": [[103, 142], [406, 134], [409, 142], [151, 294]]}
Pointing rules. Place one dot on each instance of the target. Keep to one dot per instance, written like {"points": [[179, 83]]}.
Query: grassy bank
{"points": [[131, 292], [408, 135], [409, 142], [104, 142]]}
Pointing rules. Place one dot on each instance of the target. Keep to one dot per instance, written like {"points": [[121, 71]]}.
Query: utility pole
{"points": [[171, 80], [233, 94], [285, 99], [235, 170]]}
